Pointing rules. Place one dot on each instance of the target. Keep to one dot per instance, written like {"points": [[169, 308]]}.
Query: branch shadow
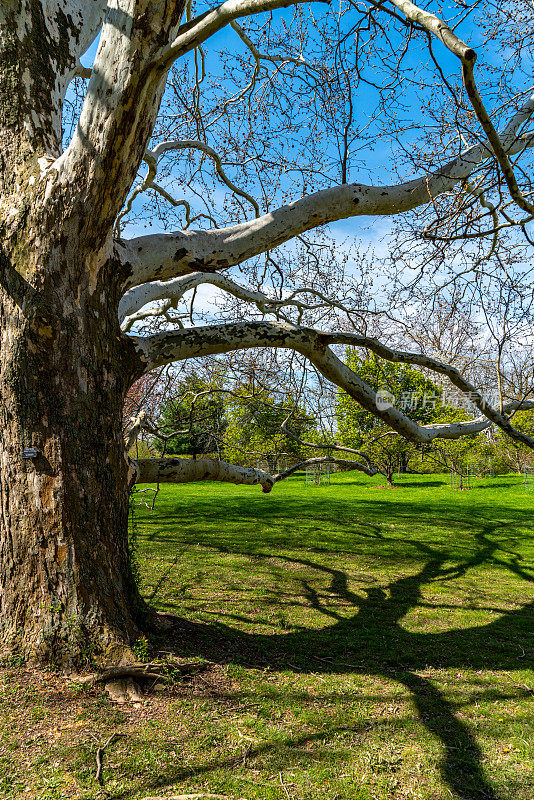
{"points": [[373, 641]]}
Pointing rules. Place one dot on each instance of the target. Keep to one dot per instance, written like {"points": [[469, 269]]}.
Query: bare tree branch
{"points": [[152, 158], [347, 466], [163, 256], [314, 345], [193, 33], [467, 57], [334, 446], [183, 470], [175, 289]]}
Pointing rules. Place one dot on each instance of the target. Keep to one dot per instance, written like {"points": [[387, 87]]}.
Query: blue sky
{"points": [[370, 233], [377, 160]]}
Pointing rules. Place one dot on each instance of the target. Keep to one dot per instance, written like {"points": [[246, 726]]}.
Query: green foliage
{"points": [[197, 414], [240, 427], [513, 455], [141, 648], [142, 449], [254, 427], [524, 422], [459, 453], [413, 393]]}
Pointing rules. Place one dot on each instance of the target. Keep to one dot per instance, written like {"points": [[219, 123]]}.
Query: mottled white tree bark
{"points": [[65, 365], [65, 583]]}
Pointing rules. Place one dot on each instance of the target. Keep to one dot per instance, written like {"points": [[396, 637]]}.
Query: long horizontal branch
{"points": [[185, 470], [165, 348], [347, 466], [165, 256], [329, 447]]}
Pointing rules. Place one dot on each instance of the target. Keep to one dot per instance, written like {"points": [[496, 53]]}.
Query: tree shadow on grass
{"points": [[372, 641]]}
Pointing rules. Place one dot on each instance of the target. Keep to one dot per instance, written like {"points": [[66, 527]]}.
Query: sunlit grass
{"points": [[366, 643]]}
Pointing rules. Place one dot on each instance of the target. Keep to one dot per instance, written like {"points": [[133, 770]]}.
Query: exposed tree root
{"points": [[132, 681]]}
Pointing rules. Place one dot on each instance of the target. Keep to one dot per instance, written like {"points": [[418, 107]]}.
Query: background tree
{"points": [[257, 130], [399, 385], [255, 430], [196, 414], [513, 455]]}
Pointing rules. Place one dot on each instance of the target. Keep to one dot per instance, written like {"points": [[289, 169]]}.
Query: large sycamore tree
{"points": [[68, 280]]}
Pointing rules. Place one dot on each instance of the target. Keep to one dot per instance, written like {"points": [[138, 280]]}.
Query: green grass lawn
{"points": [[365, 643]]}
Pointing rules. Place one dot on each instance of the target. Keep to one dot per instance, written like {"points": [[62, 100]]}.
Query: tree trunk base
{"points": [[74, 648]]}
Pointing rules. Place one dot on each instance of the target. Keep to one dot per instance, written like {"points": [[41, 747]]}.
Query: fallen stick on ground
{"points": [[99, 756], [198, 796]]}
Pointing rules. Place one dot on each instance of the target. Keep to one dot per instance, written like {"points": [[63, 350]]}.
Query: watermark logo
{"points": [[384, 399], [444, 399]]}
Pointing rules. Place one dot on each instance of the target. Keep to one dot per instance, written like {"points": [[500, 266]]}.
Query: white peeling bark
{"points": [[82, 19], [47, 38], [119, 111], [183, 470], [164, 348], [435, 26], [164, 256]]}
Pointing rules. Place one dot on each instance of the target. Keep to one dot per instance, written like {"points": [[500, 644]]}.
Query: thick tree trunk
{"points": [[66, 588]]}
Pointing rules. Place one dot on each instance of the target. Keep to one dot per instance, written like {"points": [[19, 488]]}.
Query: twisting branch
{"points": [[100, 756], [314, 345], [184, 470], [478, 192], [152, 157], [347, 466], [493, 137], [436, 27], [173, 291], [259, 56], [160, 310], [499, 144]]}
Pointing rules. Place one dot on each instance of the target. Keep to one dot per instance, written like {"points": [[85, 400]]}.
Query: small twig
{"points": [[198, 796], [99, 755], [336, 661], [284, 787], [246, 753]]}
